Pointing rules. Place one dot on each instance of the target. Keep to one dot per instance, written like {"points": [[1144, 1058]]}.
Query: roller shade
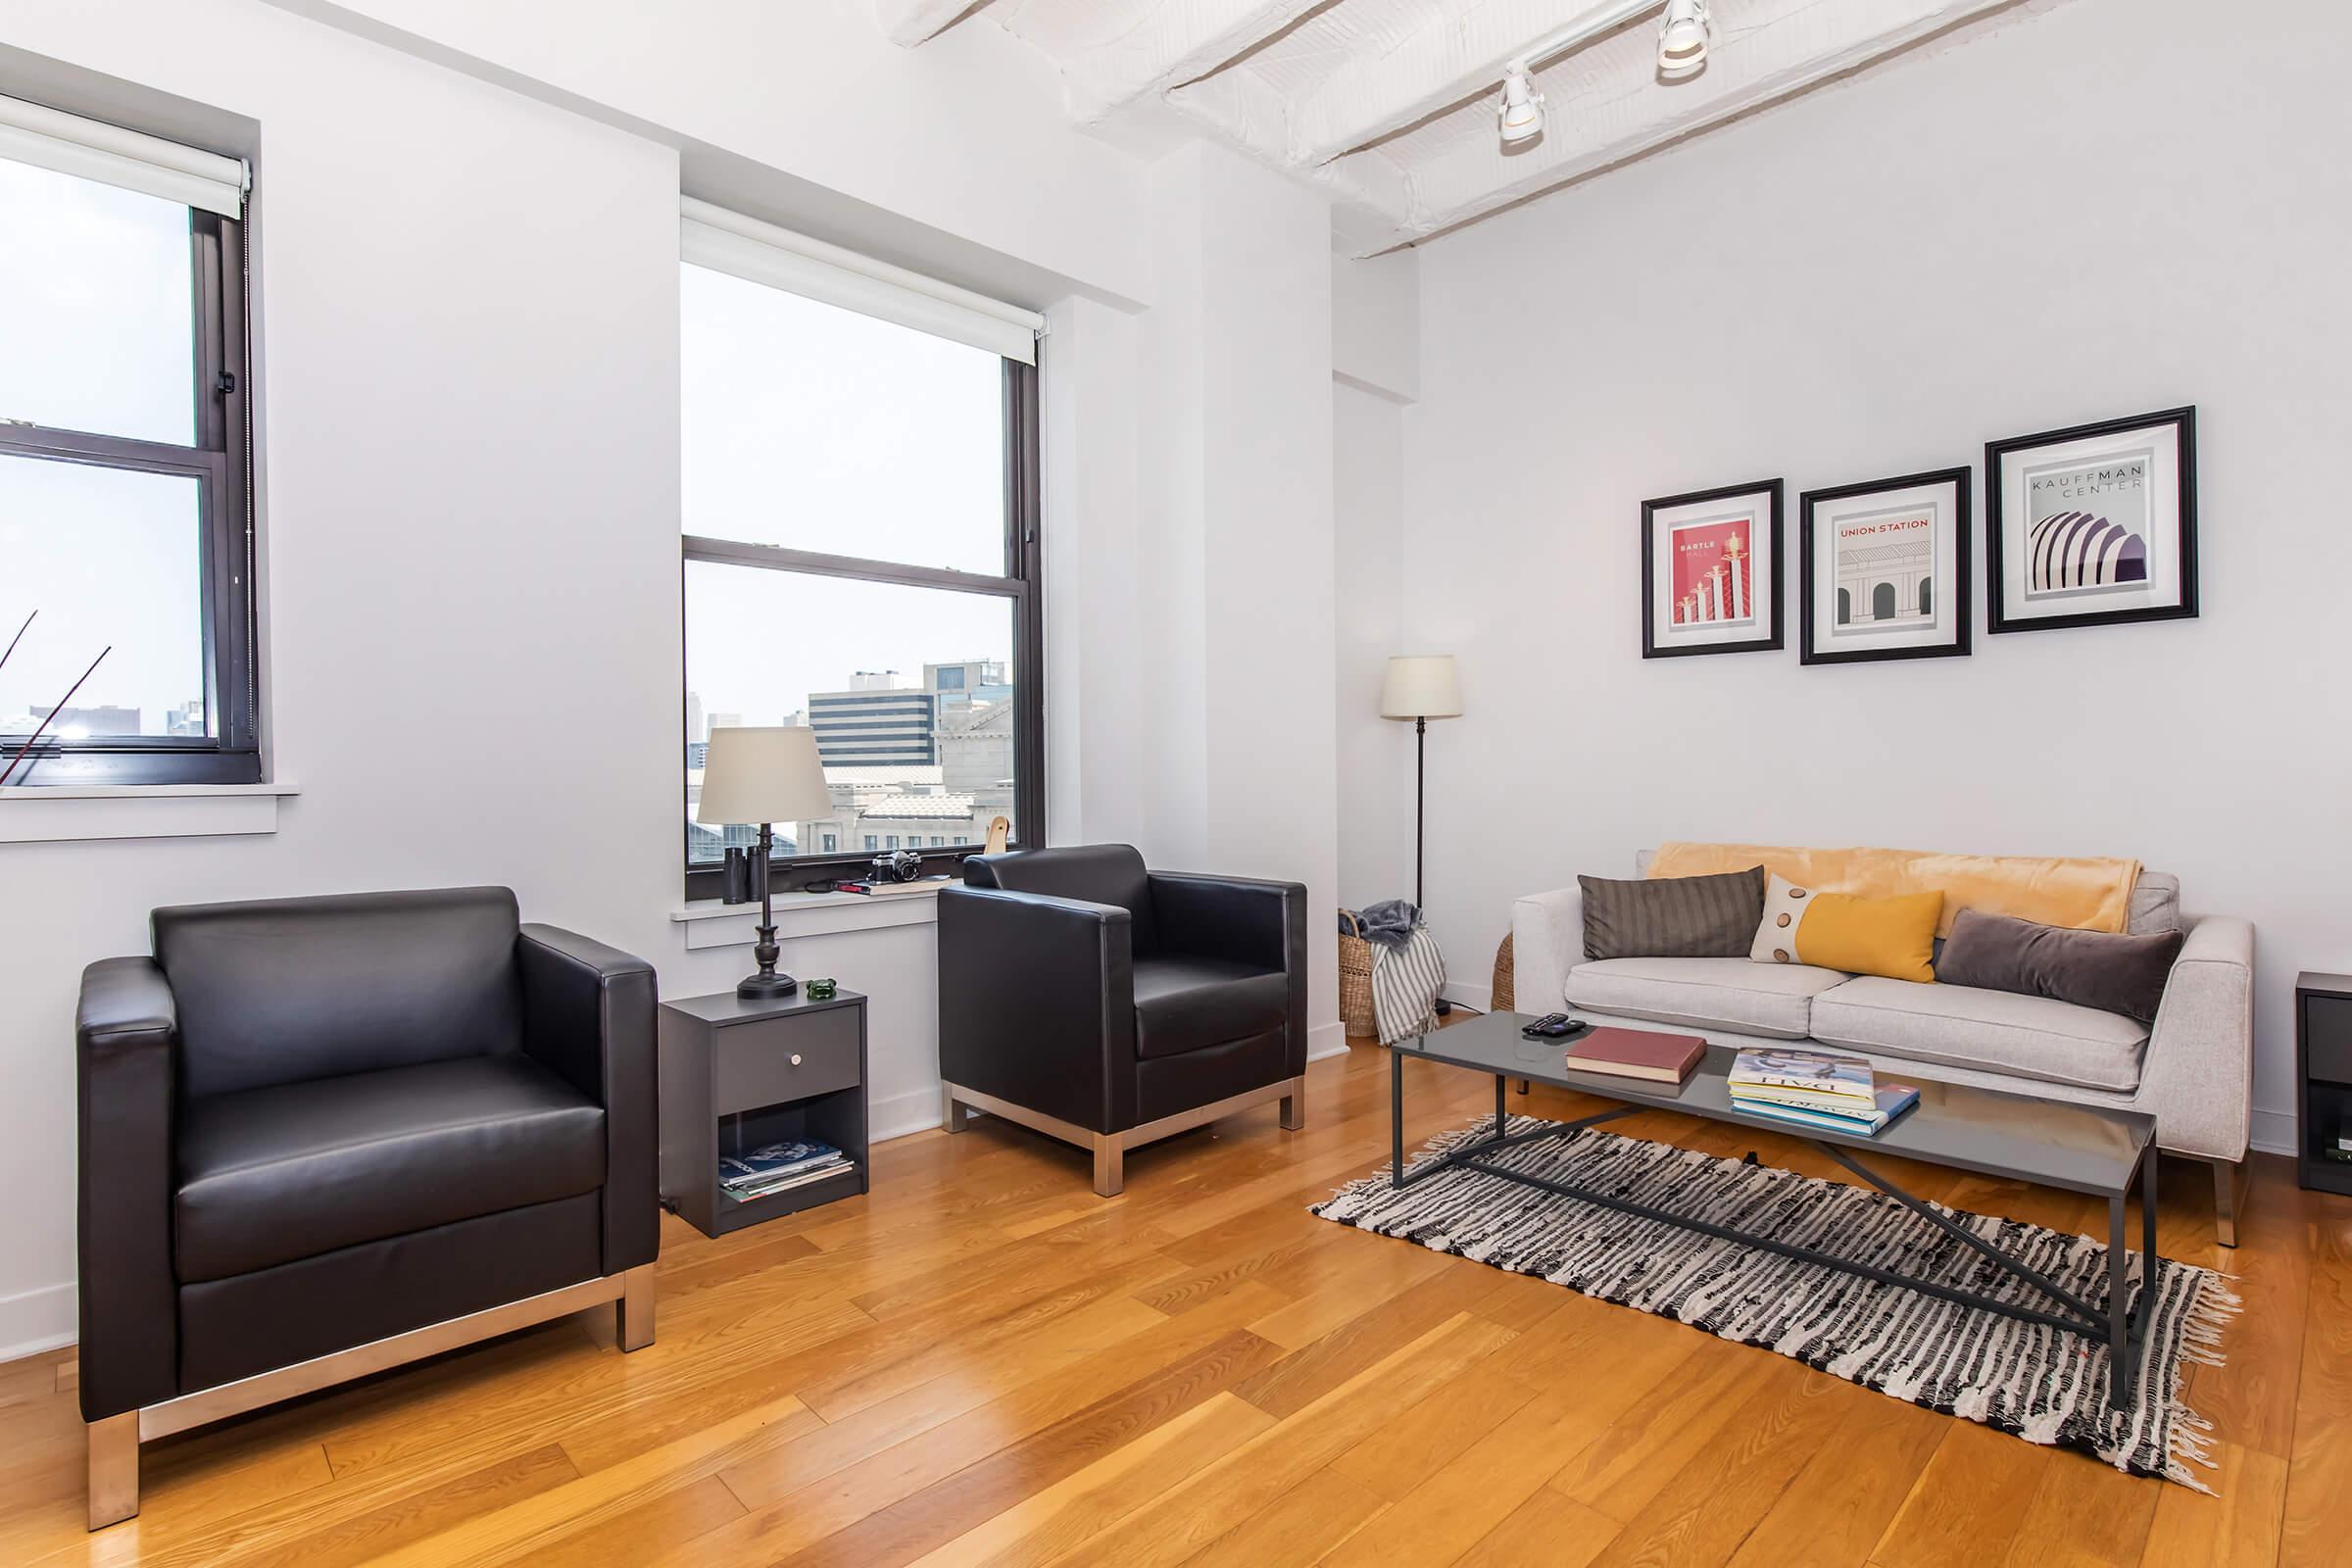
{"points": [[51, 138], [762, 253]]}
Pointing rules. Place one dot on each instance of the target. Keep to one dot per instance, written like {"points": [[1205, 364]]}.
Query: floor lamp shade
{"points": [[762, 775], [1421, 686]]}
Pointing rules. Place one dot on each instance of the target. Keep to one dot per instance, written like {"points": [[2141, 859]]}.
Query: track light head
{"points": [[1683, 39], [1521, 118]]}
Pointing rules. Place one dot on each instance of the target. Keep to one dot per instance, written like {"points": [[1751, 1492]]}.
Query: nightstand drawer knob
{"points": [[796, 1058]]}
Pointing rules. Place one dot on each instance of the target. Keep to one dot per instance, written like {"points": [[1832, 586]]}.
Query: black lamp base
{"points": [[756, 986]]}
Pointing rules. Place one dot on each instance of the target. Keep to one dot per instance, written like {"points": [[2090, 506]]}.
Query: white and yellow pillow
{"points": [[1892, 937]]}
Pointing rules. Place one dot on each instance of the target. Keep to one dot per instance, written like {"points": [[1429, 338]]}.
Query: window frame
{"points": [[221, 464], [1023, 583]]}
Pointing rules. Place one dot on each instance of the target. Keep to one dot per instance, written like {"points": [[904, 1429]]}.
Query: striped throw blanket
{"points": [[1407, 977]]}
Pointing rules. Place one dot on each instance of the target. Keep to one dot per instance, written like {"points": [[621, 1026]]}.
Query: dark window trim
{"points": [[1023, 583], [218, 464]]}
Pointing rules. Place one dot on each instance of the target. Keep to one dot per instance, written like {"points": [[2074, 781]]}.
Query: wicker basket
{"points": [[1504, 1000], [1356, 981]]}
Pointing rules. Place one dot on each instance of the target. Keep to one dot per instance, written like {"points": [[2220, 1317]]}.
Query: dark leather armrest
{"points": [[125, 1038], [1247, 919], [1037, 1003], [588, 1015]]}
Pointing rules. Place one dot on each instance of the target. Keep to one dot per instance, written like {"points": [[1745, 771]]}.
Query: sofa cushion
{"points": [[1995, 1031], [1184, 1004], [1672, 918], [295, 1170], [1757, 998]]}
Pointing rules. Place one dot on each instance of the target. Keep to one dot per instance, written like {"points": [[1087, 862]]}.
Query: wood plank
{"points": [[1546, 1531], [2238, 1528], [1963, 1510], [1841, 1502]]}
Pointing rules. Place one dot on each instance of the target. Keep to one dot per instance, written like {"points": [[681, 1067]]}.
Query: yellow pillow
{"points": [[1892, 937]]}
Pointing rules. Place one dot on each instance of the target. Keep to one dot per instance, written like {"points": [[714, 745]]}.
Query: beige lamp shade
{"points": [[1421, 686], [762, 775]]}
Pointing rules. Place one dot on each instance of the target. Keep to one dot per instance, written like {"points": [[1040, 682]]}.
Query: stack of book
{"points": [[1835, 1093], [777, 1167]]}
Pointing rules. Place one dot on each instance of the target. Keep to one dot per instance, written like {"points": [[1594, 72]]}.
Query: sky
{"points": [[814, 427], [803, 424], [96, 332]]}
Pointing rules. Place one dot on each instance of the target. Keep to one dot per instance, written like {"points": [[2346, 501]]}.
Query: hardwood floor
{"points": [[984, 1363]]}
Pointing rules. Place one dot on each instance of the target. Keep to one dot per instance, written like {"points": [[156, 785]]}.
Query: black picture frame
{"points": [[1767, 595], [1963, 595], [1998, 615]]}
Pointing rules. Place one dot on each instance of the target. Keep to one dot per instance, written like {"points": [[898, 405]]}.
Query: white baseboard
{"points": [[1470, 996], [2273, 1132], [36, 1321], [901, 1115], [1327, 1039]]}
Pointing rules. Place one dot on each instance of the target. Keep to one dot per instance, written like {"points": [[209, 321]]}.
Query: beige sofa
{"points": [[2192, 1071]]}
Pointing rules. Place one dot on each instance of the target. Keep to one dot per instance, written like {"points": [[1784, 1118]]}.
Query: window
{"points": [[125, 560], [858, 495]]}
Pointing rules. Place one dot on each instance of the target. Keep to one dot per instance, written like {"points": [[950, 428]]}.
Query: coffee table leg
{"points": [[1500, 1120], [1396, 1119], [2147, 1222], [2119, 1321]]}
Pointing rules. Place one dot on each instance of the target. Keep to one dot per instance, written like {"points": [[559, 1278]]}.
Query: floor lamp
{"points": [[1421, 687]]}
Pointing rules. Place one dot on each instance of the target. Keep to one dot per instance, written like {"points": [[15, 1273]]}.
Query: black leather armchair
{"points": [[1108, 1005], [321, 1137]]}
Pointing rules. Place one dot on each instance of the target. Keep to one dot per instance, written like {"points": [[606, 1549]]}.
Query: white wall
{"points": [[2114, 207], [466, 250]]}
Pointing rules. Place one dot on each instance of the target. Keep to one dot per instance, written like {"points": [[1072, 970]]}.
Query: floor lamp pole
{"points": [[1420, 788]]}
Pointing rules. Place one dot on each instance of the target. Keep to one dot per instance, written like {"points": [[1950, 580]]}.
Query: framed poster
{"points": [[2093, 526], [1711, 571], [1884, 573]]}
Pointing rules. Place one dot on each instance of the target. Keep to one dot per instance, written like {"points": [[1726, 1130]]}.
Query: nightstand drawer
{"points": [[767, 1063], [2328, 1038]]}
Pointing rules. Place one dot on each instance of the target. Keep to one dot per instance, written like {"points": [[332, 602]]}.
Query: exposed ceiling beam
{"points": [[1802, 45], [1171, 44], [1451, 59], [908, 23], [1241, 110]]}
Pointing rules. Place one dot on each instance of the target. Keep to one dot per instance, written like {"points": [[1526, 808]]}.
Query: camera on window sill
{"points": [[899, 865]]}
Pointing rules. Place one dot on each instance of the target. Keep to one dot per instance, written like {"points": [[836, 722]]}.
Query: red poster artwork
{"points": [[1711, 566]]}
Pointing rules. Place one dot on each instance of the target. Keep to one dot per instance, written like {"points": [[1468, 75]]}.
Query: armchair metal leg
{"points": [[1110, 1165], [951, 1111], [2228, 1181], [1293, 1106], [113, 1479], [633, 1313]]}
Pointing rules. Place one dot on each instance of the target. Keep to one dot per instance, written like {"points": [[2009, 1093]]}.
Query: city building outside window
{"points": [[126, 555], [860, 557]]}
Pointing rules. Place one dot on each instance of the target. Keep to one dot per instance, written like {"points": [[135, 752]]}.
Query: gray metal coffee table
{"points": [[2078, 1148]]}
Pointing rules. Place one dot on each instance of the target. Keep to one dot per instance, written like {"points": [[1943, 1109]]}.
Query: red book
{"points": [[1638, 1054]]}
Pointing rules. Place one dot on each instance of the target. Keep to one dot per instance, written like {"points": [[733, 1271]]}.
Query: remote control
{"points": [[1554, 1026]]}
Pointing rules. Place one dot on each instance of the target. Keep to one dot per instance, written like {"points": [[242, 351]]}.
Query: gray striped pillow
{"points": [[1673, 917]]}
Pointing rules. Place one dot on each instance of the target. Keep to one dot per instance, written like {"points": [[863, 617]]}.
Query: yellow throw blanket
{"points": [[2087, 893]]}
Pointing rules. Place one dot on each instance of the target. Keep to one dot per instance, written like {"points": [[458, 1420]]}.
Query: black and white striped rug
{"points": [[2047, 1385]]}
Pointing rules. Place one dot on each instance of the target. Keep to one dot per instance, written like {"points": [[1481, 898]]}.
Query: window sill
{"points": [[709, 924], [39, 814]]}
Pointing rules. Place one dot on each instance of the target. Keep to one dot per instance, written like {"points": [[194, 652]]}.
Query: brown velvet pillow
{"points": [[1673, 917], [2099, 969]]}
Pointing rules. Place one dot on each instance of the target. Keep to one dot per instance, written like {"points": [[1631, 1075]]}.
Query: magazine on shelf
{"points": [[1849, 1077], [1892, 1101], [771, 1161], [801, 1178]]}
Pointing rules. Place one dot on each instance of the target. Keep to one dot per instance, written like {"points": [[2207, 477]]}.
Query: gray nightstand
{"points": [[2323, 1078], [737, 1074]]}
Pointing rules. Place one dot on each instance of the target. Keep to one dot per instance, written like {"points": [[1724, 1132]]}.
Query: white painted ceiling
{"points": [[1391, 102]]}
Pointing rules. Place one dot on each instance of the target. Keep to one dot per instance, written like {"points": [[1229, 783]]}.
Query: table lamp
{"points": [[765, 776], [1420, 687]]}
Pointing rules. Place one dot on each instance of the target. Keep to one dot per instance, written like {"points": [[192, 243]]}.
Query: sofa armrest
{"points": [[588, 1015], [126, 1041], [1547, 940], [1247, 919], [2198, 1078], [1037, 1003]]}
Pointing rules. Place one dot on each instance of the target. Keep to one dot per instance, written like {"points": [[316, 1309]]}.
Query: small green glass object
{"points": [[819, 990]]}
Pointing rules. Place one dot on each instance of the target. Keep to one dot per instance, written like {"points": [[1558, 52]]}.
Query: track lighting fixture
{"points": [[1522, 114], [1683, 39]]}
